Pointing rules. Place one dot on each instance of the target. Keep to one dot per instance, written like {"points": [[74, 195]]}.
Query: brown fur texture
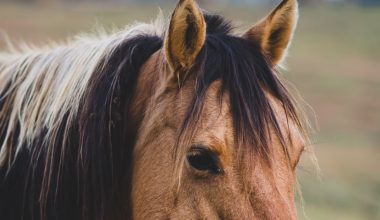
{"points": [[266, 192], [250, 188], [112, 137]]}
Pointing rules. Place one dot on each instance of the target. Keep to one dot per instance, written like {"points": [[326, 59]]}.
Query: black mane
{"points": [[247, 75], [78, 173]]}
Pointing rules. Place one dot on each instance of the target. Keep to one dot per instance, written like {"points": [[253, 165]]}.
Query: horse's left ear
{"points": [[274, 33], [186, 35]]}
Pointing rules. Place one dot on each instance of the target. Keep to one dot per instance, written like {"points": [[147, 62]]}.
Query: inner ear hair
{"points": [[274, 33], [186, 36]]}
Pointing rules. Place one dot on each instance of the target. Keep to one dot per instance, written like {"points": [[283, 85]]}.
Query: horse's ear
{"points": [[186, 35], [274, 33]]}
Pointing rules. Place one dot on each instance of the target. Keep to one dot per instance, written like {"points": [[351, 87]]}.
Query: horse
{"points": [[188, 120]]}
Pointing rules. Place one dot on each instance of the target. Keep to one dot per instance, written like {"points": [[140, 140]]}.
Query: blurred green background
{"points": [[334, 62]]}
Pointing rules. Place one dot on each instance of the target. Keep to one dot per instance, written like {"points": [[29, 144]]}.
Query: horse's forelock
{"points": [[249, 78]]}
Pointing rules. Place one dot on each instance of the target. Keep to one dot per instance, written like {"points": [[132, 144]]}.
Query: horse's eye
{"points": [[202, 159]]}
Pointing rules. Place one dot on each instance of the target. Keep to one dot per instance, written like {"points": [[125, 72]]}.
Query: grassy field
{"points": [[335, 64]]}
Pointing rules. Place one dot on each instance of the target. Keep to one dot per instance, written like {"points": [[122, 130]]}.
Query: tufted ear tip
{"points": [[186, 35], [275, 32]]}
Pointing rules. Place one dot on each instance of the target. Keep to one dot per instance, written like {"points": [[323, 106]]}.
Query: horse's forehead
{"points": [[216, 124]]}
